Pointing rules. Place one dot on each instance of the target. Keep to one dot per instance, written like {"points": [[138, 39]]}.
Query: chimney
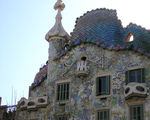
{"points": [[0, 101]]}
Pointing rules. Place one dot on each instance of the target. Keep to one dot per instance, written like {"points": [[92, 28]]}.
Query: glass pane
{"points": [[139, 76], [58, 92], [104, 85], [101, 115], [97, 87], [107, 85], [61, 98], [134, 113], [98, 116], [67, 91], [132, 76], [127, 77], [100, 86], [105, 115]]}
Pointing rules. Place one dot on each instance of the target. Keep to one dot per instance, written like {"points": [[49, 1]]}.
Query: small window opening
{"points": [[127, 90], [22, 103], [31, 103], [66, 46], [83, 58], [105, 98], [41, 100], [130, 37]]}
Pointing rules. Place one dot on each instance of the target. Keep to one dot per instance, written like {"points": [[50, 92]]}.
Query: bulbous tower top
{"points": [[57, 30]]}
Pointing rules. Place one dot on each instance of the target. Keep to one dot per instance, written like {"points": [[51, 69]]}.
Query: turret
{"points": [[57, 36]]}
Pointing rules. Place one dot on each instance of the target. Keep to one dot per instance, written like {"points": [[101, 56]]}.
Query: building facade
{"points": [[96, 73]]}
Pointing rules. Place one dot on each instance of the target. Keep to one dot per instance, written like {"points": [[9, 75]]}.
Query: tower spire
{"points": [[57, 30]]}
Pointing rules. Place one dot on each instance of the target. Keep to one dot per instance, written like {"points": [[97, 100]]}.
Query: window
{"points": [[103, 115], [62, 117], [62, 92], [130, 37], [136, 112], [135, 76], [103, 85]]}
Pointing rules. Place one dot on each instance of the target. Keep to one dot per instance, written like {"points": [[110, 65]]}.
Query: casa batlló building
{"points": [[95, 73]]}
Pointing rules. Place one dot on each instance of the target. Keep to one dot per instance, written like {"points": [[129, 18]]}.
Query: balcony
{"points": [[41, 101], [31, 104], [82, 68], [135, 89], [23, 103]]}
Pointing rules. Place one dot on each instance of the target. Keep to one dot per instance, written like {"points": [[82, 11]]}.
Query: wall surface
{"points": [[39, 90], [83, 103]]}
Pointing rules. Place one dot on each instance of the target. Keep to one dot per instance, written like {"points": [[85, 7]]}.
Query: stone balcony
{"points": [[33, 103], [134, 89], [23, 103], [82, 68]]}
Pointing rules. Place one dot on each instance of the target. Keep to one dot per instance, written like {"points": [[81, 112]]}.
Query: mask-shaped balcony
{"points": [[82, 68], [31, 104], [22, 104], [41, 101], [134, 89]]}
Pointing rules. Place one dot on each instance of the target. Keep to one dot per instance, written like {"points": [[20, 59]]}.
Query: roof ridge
{"points": [[139, 26], [93, 10]]}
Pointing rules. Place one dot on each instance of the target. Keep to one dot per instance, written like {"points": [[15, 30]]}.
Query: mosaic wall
{"points": [[83, 103], [39, 90]]}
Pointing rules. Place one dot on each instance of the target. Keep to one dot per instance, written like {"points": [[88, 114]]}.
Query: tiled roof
{"points": [[40, 76], [102, 27]]}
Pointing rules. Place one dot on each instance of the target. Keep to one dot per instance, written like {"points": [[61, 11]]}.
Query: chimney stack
{"points": [[0, 101]]}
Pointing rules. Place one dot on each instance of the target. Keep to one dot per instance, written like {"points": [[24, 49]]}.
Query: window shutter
{"points": [[131, 113], [67, 91], [127, 77], [142, 112], [98, 116], [97, 87], [143, 75], [108, 115], [107, 85], [58, 92]]}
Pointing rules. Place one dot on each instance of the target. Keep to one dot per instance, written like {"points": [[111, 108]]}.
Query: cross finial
{"points": [[57, 29], [59, 5]]}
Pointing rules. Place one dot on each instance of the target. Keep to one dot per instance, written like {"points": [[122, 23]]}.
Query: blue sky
{"points": [[23, 25]]}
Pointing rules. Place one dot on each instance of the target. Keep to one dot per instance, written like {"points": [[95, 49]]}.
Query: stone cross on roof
{"points": [[57, 30], [59, 5]]}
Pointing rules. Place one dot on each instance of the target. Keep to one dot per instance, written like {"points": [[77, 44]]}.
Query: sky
{"points": [[24, 24]]}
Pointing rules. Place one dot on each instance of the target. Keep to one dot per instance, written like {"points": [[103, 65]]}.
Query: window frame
{"points": [[63, 115], [136, 105], [104, 109], [110, 85], [128, 77], [56, 92]]}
